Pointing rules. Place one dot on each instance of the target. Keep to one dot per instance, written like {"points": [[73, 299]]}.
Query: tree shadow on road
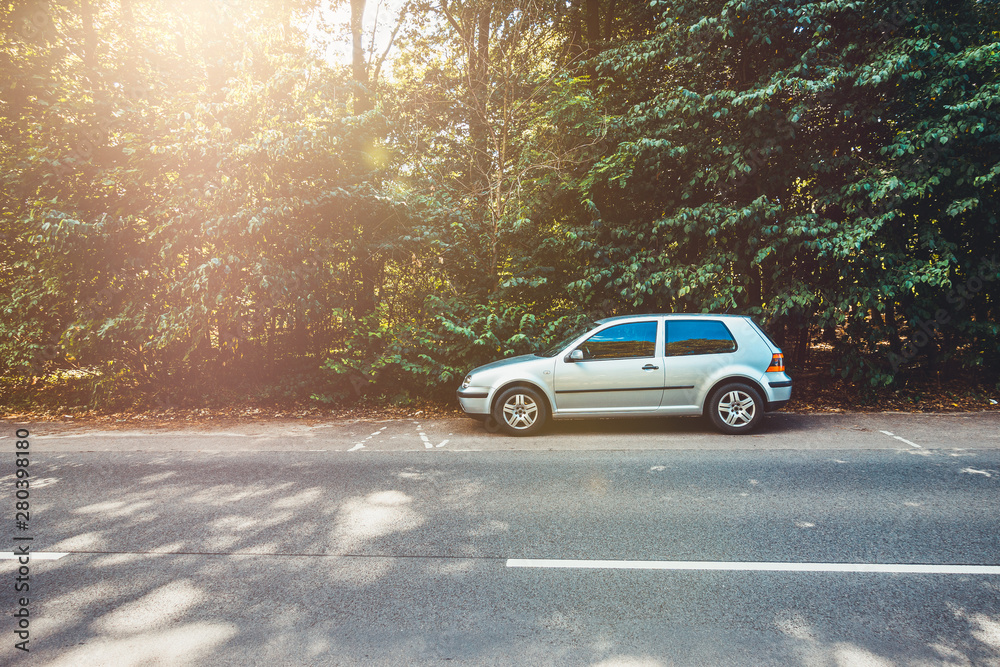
{"points": [[202, 558]]}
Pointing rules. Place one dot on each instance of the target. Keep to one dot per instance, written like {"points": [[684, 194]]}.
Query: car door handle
{"points": [[650, 367]]}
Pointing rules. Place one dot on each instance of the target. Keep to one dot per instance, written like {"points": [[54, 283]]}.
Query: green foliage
{"points": [[179, 210], [193, 197], [817, 164], [432, 357]]}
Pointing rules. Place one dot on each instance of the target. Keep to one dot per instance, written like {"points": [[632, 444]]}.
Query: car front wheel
{"points": [[520, 411], [735, 408]]}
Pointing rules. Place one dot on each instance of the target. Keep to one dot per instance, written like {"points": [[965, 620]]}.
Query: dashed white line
{"points": [[912, 444], [361, 445], [739, 566]]}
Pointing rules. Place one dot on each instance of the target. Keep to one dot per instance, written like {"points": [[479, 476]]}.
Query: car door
{"points": [[620, 371], [693, 351]]}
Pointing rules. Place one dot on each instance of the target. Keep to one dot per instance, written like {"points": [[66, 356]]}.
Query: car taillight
{"points": [[777, 363]]}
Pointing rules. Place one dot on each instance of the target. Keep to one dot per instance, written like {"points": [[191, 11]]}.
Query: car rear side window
{"points": [[622, 341], [698, 337]]}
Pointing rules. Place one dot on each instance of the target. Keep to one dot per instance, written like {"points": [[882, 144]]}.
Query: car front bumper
{"points": [[474, 401]]}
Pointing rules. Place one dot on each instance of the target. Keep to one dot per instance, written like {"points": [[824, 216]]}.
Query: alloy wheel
{"points": [[520, 411], [737, 408]]}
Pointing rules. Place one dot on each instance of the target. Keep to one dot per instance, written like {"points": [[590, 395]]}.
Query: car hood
{"points": [[520, 359]]}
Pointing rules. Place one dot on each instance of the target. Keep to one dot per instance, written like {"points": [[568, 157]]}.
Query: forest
{"points": [[200, 203]]}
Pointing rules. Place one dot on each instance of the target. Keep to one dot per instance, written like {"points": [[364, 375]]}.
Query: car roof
{"points": [[626, 318]]}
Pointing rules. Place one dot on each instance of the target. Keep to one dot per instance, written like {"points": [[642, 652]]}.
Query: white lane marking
{"points": [[427, 441], [973, 471], [361, 445], [35, 555], [905, 568], [912, 444]]}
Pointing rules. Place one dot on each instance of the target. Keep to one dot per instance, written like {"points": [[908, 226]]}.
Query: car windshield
{"points": [[575, 333]]}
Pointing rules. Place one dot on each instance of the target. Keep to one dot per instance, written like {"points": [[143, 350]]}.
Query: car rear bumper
{"points": [[779, 390]]}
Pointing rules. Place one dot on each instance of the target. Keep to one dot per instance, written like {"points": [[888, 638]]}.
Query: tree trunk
{"points": [[593, 25], [367, 266], [609, 20], [89, 36], [270, 343], [593, 19], [892, 328], [755, 287], [802, 347], [359, 70], [368, 274], [479, 63]]}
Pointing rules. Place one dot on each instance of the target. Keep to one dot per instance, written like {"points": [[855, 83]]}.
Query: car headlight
{"points": [[466, 382]]}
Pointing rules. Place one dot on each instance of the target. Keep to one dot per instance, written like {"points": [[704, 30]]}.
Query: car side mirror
{"points": [[576, 355]]}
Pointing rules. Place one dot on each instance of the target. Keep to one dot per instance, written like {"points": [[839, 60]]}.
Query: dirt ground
{"points": [[813, 392]]}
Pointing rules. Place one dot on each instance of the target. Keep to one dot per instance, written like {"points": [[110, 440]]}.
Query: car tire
{"points": [[735, 408], [520, 411]]}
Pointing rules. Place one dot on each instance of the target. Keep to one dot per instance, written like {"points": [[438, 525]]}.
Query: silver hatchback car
{"points": [[721, 366]]}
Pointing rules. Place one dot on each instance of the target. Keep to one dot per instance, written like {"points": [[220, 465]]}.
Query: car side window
{"points": [[622, 341], [686, 337]]}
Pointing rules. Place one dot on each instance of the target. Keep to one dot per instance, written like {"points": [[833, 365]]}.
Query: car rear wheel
{"points": [[520, 411], [735, 408]]}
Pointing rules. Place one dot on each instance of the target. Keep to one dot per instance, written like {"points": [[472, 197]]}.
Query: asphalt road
{"points": [[289, 544]]}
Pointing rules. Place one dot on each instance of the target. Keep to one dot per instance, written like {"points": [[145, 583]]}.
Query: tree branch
{"points": [[392, 38]]}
